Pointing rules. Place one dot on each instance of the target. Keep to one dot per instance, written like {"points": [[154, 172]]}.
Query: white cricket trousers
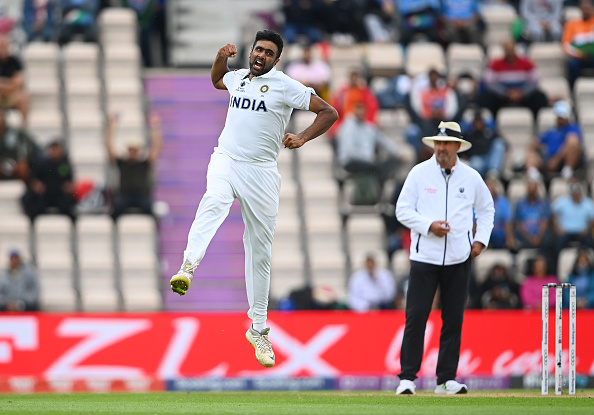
{"points": [[256, 186]]}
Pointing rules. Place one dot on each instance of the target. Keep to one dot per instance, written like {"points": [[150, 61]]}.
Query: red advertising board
{"points": [[129, 347]]}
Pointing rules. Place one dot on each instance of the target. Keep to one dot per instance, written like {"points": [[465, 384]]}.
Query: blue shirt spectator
{"points": [[573, 216], [459, 9], [38, 19], [531, 218], [582, 276], [418, 16], [502, 234], [553, 139]]}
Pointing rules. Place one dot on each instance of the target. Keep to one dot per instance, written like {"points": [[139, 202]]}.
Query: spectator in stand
{"points": [[462, 22], [314, 73], [357, 145], [12, 80], [379, 20], [79, 17], [502, 233], [394, 92], [427, 106], [419, 17], [51, 184], [531, 288], [561, 148], [300, 19], [345, 99], [499, 290], [145, 11], [488, 148], [573, 218], [531, 219], [511, 81], [19, 285], [344, 20], [135, 171], [582, 276], [541, 21], [578, 42], [18, 152], [38, 19], [371, 288]]}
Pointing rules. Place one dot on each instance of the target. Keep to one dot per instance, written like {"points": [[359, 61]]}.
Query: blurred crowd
{"points": [[52, 185], [541, 190]]}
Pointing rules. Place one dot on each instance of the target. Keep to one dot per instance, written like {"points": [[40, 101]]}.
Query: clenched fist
{"points": [[228, 51]]}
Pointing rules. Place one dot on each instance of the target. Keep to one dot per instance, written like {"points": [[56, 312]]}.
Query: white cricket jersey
{"points": [[258, 114]]}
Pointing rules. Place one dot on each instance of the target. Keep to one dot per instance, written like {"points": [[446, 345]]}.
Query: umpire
{"points": [[437, 203]]}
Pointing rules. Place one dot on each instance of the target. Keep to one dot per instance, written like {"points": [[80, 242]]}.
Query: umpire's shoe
{"points": [[451, 387], [406, 387]]}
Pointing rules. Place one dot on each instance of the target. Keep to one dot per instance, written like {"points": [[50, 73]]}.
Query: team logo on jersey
{"points": [[264, 89], [247, 104]]}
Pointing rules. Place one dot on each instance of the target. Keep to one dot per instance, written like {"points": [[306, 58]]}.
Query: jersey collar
{"points": [[268, 74]]}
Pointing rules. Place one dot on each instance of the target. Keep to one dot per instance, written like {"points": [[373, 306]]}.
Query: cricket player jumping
{"points": [[243, 167]]}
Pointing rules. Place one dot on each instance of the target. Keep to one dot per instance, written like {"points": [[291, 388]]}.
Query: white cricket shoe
{"points": [[406, 387], [451, 387], [263, 346], [180, 282]]}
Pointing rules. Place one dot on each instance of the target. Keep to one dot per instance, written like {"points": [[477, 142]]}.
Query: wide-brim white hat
{"points": [[448, 131]]}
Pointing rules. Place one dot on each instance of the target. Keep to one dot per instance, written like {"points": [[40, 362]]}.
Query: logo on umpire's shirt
{"points": [[264, 89], [461, 194], [461, 190]]}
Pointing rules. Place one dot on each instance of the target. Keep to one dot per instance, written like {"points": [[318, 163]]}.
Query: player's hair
{"points": [[272, 36]]}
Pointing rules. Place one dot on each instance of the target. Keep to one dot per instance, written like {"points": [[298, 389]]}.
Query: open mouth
{"points": [[258, 64]]}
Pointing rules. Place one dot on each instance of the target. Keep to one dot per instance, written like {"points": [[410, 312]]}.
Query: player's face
{"points": [[445, 152], [263, 57]]}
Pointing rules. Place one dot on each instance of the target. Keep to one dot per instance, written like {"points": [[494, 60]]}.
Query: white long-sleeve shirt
{"points": [[429, 195], [366, 293]]}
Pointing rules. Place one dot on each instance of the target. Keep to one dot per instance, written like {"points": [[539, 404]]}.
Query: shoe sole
{"points": [[406, 392], [247, 336], [180, 284]]}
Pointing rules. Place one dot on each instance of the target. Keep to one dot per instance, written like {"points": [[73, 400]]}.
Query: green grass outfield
{"points": [[284, 403]]}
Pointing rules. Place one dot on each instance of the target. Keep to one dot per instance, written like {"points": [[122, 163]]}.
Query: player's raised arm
{"points": [[220, 67], [327, 116]]}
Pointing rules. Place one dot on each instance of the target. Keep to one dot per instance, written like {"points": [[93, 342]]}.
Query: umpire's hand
{"points": [[440, 227], [476, 250]]}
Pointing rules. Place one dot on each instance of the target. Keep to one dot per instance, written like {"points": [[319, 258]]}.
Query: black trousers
{"points": [[453, 283]]}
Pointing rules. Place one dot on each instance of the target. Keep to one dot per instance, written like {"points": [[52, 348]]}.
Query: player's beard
{"points": [[264, 70]]}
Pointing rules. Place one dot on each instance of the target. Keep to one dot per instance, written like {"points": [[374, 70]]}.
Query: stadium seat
{"points": [[516, 125], [117, 26], [10, 197], [41, 59], [498, 19], [546, 120], [82, 94], [556, 88], [55, 262], [516, 189], [141, 292], [485, 261], [81, 60], [522, 260], [421, 57], [549, 58], [346, 56], [15, 234], [384, 59], [46, 125], [365, 234], [121, 61], [558, 187], [567, 258], [44, 92], [465, 59]]}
